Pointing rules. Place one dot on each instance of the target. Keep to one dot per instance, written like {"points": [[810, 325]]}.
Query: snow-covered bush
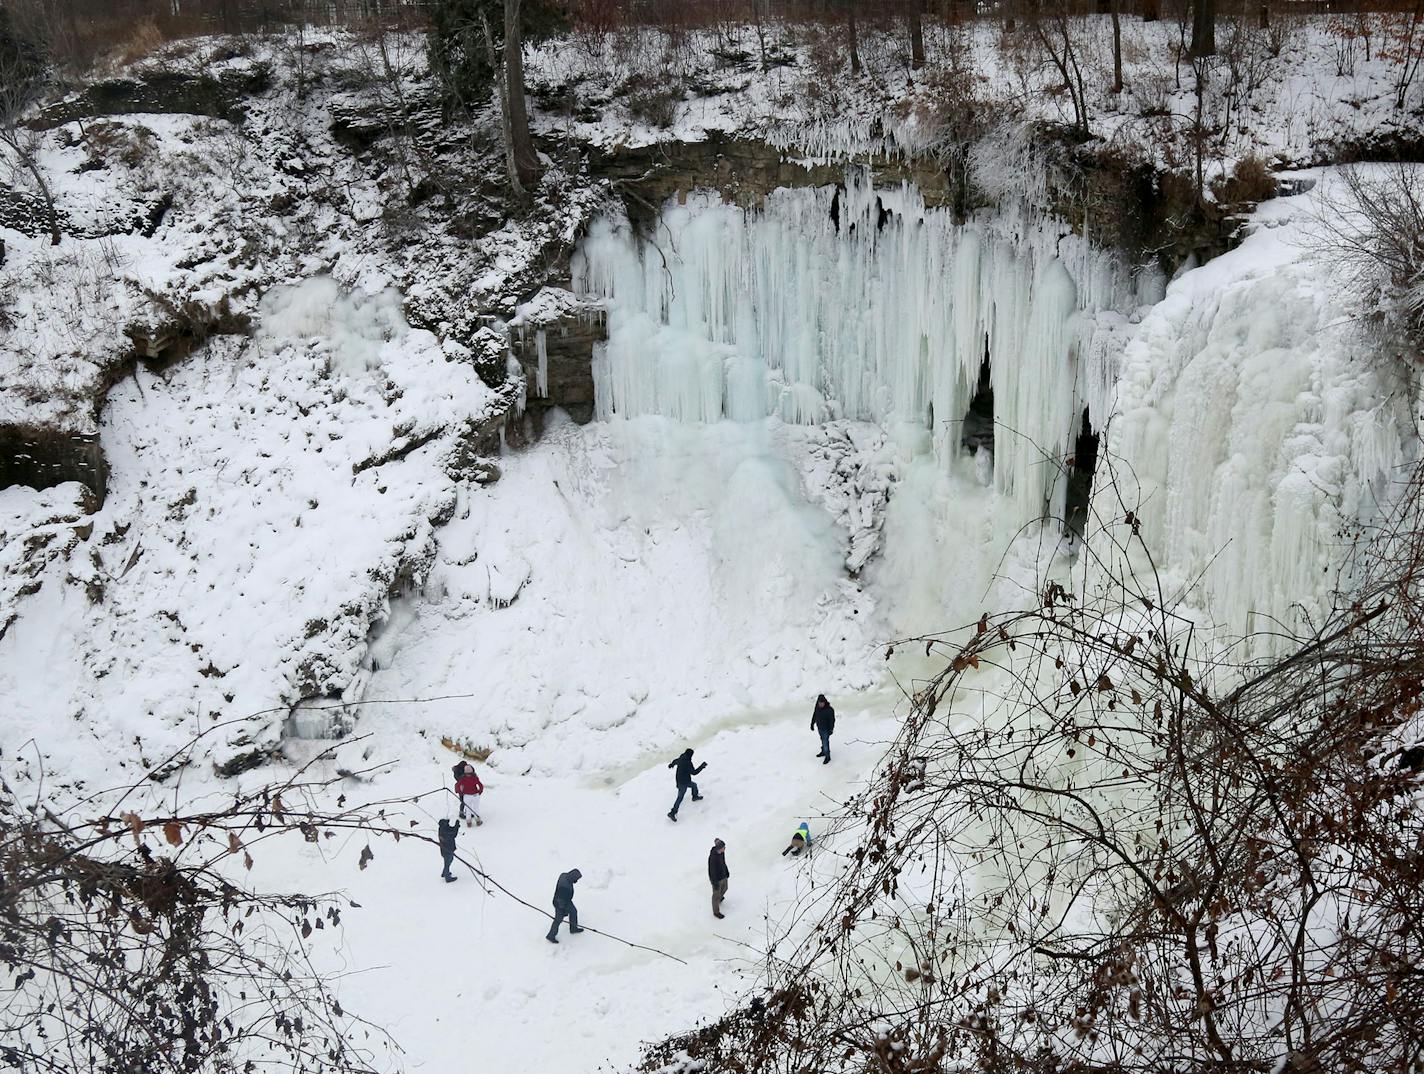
{"points": [[1377, 228]]}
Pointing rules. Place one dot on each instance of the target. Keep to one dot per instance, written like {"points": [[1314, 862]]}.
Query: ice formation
{"points": [[1252, 425], [856, 303], [1256, 424]]}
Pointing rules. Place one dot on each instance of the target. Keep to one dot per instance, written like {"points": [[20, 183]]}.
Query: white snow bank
{"points": [[355, 326], [259, 512]]}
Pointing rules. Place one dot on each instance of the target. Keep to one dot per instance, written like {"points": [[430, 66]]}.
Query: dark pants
{"points": [[682, 789], [561, 911], [719, 892], [447, 856], [825, 742]]}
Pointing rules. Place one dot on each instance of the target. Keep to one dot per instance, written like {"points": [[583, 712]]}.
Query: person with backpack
{"points": [[718, 873], [800, 840], [564, 904], [823, 722], [448, 830], [685, 772], [469, 788]]}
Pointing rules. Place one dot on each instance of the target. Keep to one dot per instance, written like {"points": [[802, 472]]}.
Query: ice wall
{"points": [[857, 303], [1249, 419], [1256, 424]]}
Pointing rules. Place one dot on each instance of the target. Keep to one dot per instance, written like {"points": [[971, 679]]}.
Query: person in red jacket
{"points": [[469, 788]]}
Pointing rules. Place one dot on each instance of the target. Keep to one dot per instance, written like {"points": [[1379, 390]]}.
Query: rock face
{"points": [[744, 171], [42, 458], [161, 92], [553, 337]]}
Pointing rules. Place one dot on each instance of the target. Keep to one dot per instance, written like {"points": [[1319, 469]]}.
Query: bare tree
{"points": [[917, 34], [21, 85], [1203, 28], [1055, 28], [1376, 228], [130, 945], [852, 36], [521, 146], [1115, 10]]}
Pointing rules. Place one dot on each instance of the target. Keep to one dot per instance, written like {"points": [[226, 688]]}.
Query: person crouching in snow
{"points": [[469, 788], [799, 841], [684, 774], [564, 904], [823, 722], [448, 830], [717, 872]]}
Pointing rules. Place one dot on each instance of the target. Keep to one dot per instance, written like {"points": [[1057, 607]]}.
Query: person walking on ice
{"points": [[564, 904], [718, 873], [800, 840], [684, 774], [469, 788], [448, 830], [823, 722]]}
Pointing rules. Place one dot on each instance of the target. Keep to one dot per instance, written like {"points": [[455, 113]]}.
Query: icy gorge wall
{"points": [[849, 302], [1244, 405]]}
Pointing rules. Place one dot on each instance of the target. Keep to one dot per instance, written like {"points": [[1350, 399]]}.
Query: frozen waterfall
{"points": [[857, 303], [1248, 422]]}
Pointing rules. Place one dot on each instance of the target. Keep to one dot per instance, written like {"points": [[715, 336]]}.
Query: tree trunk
{"points": [[917, 34], [760, 32], [1151, 10], [526, 160], [45, 196], [1203, 28], [1117, 45], [853, 38], [1264, 17]]}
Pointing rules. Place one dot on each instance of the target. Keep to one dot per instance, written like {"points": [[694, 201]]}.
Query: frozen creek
{"points": [[774, 488]]}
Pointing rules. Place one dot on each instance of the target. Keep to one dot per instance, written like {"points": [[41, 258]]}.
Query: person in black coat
{"points": [[685, 772], [564, 904], [718, 873], [823, 722], [448, 830]]}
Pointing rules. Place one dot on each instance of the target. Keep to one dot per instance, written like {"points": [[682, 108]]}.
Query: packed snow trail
{"points": [[459, 976]]}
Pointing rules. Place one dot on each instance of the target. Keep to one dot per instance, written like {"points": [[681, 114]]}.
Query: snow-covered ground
{"points": [[1295, 93], [289, 515]]}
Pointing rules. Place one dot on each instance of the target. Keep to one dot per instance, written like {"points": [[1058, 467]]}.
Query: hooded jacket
{"points": [[823, 717], [717, 865], [448, 831], [685, 771], [564, 889]]}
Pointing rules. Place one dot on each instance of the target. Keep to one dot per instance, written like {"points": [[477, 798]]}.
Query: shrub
{"points": [[1250, 181]]}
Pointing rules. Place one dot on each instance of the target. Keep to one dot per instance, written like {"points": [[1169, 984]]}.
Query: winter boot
{"points": [[672, 816], [552, 939], [827, 760], [576, 928]]}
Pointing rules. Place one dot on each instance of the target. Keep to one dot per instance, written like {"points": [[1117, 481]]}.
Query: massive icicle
{"points": [[854, 303]]}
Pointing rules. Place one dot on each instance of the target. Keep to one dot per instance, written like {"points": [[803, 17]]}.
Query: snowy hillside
{"points": [[347, 510]]}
